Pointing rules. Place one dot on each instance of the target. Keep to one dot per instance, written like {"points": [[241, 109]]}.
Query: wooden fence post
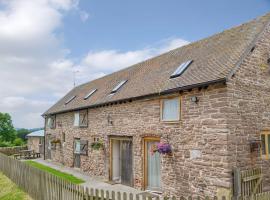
{"points": [[236, 183]]}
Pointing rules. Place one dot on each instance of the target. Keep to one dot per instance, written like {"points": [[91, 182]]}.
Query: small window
{"points": [[81, 118], [76, 119], [170, 109], [180, 70], [265, 149], [90, 94], [118, 86], [77, 146], [70, 99], [51, 122]]}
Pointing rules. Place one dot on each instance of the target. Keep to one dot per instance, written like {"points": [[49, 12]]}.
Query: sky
{"points": [[43, 43]]}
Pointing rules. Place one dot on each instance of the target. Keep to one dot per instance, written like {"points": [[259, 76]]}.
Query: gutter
{"points": [[178, 89]]}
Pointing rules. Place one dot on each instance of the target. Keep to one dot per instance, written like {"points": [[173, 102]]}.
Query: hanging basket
{"points": [[56, 141], [162, 148], [97, 145]]}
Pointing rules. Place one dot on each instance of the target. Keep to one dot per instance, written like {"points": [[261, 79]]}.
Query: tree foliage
{"points": [[21, 133], [7, 131]]}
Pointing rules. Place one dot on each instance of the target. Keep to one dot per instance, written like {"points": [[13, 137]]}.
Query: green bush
{"points": [[18, 142], [5, 144]]}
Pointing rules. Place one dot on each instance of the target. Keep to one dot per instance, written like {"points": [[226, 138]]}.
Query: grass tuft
{"points": [[63, 175]]}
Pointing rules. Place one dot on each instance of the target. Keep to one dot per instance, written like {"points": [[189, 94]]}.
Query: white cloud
{"points": [[25, 112], [35, 70], [103, 62], [33, 63]]}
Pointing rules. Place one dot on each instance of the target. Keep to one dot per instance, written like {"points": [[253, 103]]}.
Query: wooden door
{"points": [[77, 155], [126, 162], [121, 160]]}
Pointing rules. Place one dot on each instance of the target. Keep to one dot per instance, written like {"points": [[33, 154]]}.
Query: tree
{"points": [[21, 133], [7, 131]]}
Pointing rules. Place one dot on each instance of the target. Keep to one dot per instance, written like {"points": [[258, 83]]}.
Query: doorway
{"points": [[77, 153], [121, 160], [49, 148], [152, 168]]}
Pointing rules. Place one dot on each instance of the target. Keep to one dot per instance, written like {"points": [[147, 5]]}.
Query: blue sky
{"points": [[43, 42], [130, 25]]}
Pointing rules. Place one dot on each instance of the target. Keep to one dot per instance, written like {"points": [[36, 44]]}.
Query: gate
{"points": [[247, 182]]}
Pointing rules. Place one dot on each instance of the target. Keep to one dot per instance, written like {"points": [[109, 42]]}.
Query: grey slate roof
{"points": [[213, 59], [39, 133]]}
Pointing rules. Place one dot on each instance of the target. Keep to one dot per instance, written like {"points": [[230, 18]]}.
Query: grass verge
{"points": [[65, 176], [10, 191]]}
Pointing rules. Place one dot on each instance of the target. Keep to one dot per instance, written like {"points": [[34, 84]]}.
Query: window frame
{"points": [[267, 145], [51, 122], [74, 114], [179, 111], [80, 124]]}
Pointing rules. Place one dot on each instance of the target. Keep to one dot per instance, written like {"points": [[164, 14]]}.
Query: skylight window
{"points": [[70, 99], [118, 86], [90, 94], [180, 70]]}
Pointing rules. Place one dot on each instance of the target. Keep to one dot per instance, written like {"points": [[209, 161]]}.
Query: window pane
{"points": [[77, 146], [171, 109], [76, 119], [263, 144], [49, 122]]}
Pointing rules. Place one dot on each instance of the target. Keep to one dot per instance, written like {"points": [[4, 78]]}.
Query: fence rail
{"points": [[41, 185]]}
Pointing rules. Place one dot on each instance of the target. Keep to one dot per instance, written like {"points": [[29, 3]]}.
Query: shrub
{"points": [[5, 144], [18, 142]]}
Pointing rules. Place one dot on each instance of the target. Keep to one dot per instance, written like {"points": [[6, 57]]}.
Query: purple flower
{"points": [[164, 148]]}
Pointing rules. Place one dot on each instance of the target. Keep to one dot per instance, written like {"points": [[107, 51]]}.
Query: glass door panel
{"points": [[153, 172]]}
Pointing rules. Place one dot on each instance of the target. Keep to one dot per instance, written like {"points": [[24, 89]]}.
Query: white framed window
{"points": [[51, 122], [81, 118], [77, 148], [170, 109], [76, 119]]}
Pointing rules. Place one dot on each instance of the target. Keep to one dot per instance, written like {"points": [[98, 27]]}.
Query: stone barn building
{"points": [[178, 123], [35, 141]]}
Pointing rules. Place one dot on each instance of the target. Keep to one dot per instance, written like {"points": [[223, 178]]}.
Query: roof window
{"points": [[118, 86], [180, 70], [90, 94], [69, 100]]}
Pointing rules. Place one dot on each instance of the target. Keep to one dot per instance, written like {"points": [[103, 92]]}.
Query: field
{"points": [[9, 191]]}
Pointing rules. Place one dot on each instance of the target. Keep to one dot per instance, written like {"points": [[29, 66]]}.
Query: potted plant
{"points": [[97, 145], [56, 141], [162, 148]]}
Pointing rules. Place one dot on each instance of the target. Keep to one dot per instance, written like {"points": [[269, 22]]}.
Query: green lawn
{"points": [[55, 172], [9, 191]]}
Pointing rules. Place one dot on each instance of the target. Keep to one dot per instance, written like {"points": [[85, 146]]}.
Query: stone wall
{"points": [[12, 150], [202, 132], [249, 108], [33, 143]]}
